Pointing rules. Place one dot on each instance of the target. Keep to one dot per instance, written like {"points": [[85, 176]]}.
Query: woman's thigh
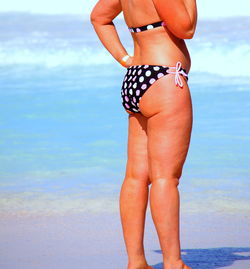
{"points": [[169, 126], [137, 162]]}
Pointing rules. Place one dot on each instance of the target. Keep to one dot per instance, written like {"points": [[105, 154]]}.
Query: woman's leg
{"points": [[169, 131], [134, 192]]}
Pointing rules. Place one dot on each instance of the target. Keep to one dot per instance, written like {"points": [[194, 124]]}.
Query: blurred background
{"points": [[63, 130]]}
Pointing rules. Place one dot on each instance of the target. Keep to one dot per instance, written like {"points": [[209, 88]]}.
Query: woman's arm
{"points": [[180, 16], [102, 17]]}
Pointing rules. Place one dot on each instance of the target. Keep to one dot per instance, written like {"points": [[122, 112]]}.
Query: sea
{"points": [[63, 130]]}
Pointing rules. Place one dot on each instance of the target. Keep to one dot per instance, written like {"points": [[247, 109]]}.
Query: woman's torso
{"points": [[156, 46]]}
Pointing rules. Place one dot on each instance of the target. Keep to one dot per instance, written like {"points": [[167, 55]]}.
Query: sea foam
{"points": [[220, 60]]}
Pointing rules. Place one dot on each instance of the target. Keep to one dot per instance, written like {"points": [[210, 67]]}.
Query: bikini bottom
{"points": [[139, 78]]}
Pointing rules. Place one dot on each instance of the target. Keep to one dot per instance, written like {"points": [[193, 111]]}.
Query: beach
{"points": [[63, 135], [93, 240]]}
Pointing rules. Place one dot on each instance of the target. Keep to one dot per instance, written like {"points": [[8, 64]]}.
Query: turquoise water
{"points": [[64, 131]]}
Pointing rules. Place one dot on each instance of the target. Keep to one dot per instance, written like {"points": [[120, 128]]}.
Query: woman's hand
{"points": [[126, 61], [129, 61]]}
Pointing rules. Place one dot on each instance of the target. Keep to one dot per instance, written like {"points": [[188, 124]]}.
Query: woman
{"points": [[156, 95]]}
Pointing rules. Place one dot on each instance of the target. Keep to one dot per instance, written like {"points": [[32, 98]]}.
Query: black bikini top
{"points": [[146, 27]]}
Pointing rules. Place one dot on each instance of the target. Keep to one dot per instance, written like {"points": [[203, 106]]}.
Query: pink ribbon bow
{"points": [[177, 73]]}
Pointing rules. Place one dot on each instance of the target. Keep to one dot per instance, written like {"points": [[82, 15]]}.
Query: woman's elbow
{"points": [[184, 34], [189, 34], [189, 29], [93, 17], [186, 31], [98, 19]]}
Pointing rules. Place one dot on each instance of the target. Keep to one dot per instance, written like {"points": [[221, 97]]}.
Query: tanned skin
{"points": [[159, 136]]}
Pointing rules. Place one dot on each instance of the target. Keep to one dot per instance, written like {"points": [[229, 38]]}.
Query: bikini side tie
{"points": [[177, 73]]}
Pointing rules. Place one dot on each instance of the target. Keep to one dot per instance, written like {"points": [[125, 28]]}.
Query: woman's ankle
{"points": [[137, 265], [174, 264]]}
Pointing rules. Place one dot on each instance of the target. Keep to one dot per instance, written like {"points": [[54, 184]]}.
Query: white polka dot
{"points": [[139, 72], [125, 92], [144, 86], [152, 80], [156, 68], [125, 78], [134, 99], [130, 84], [131, 91], [138, 30], [148, 73], [125, 85], [129, 78], [134, 78], [160, 75], [129, 72], [127, 106], [126, 98], [135, 85], [146, 66], [150, 27], [137, 92], [135, 110], [141, 79], [134, 72]]}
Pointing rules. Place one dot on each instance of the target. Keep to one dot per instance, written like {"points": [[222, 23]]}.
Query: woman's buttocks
{"points": [[158, 46]]}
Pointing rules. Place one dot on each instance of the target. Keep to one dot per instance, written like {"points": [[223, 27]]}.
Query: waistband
{"points": [[178, 70]]}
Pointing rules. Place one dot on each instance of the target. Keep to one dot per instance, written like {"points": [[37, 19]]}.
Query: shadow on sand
{"points": [[210, 258]]}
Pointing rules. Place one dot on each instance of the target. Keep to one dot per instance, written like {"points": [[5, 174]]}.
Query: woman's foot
{"points": [[176, 265]]}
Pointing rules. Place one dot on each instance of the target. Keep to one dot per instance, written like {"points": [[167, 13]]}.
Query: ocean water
{"points": [[63, 130]]}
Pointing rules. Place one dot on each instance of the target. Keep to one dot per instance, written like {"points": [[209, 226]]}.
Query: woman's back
{"points": [[138, 12], [154, 46]]}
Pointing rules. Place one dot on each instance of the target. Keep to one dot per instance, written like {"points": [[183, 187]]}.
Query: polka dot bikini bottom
{"points": [[139, 78]]}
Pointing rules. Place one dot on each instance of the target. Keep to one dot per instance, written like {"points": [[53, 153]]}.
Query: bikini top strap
{"points": [[146, 27]]}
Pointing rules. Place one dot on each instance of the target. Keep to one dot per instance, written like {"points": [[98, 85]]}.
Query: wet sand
{"points": [[88, 240]]}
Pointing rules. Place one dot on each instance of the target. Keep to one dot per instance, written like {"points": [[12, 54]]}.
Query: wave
{"points": [[54, 57], [220, 60]]}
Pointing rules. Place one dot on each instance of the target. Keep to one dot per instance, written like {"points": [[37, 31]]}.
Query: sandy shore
{"points": [[240, 265], [87, 240]]}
